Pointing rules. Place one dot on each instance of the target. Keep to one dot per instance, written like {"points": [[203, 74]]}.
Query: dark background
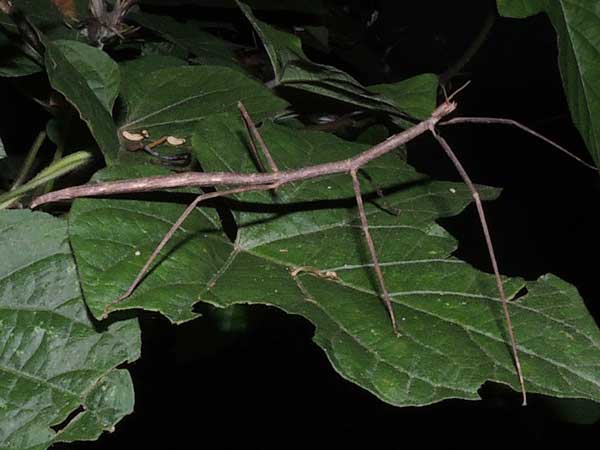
{"points": [[253, 378]]}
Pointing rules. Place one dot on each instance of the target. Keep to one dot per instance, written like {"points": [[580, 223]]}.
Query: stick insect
{"points": [[274, 178]]}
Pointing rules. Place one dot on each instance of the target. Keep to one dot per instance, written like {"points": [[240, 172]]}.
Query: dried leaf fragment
{"points": [[134, 137], [325, 274], [175, 141]]}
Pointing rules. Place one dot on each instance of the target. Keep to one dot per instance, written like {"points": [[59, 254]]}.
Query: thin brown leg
{"points": [[365, 227], [261, 166], [490, 248], [167, 237], [514, 123], [254, 134]]}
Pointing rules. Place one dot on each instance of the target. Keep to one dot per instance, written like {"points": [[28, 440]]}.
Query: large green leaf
{"points": [[100, 72], [577, 23], [122, 252], [134, 71], [66, 79], [189, 36], [174, 100], [301, 249], [292, 68], [54, 360]]}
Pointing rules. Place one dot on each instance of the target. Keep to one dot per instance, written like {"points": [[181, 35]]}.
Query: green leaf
{"points": [[416, 96], [164, 48], [173, 101], [134, 71], [43, 14], [123, 252], [315, 7], [189, 36], [53, 359], [577, 23], [2, 150], [100, 72], [54, 171], [301, 249], [13, 62], [66, 79], [293, 69]]}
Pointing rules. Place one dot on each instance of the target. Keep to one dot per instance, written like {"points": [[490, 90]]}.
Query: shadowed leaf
{"points": [[53, 359], [174, 100], [577, 23], [67, 80], [189, 36]]}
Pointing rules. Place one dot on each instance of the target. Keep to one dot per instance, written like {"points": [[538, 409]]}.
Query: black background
{"points": [[267, 385]]}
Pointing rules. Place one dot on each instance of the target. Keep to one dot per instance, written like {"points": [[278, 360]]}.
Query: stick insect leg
{"points": [[255, 153], [167, 237], [254, 134], [514, 123], [381, 201], [490, 248], [365, 227]]}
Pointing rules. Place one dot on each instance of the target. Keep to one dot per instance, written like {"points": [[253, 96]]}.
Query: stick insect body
{"points": [[245, 182]]}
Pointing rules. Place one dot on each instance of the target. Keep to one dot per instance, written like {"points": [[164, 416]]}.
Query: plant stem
{"points": [[54, 171], [60, 147], [29, 160]]}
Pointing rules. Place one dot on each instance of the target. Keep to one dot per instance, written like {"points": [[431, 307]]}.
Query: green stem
{"points": [[29, 160], [60, 147], [52, 172]]}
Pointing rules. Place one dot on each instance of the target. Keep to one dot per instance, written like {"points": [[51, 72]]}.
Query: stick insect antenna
{"points": [[488, 240], [455, 93]]}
